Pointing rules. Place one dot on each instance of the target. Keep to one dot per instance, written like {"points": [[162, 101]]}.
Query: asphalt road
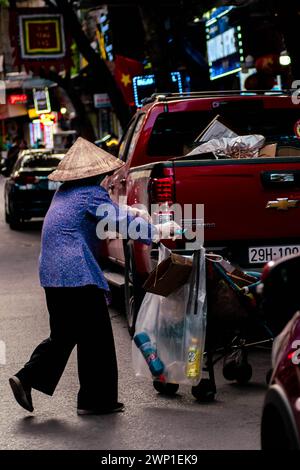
{"points": [[149, 422]]}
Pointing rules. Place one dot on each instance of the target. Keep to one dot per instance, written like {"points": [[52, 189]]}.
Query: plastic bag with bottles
{"points": [[169, 341]]}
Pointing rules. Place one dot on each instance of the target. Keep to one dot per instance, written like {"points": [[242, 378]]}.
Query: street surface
{"points": [[149, 422]]}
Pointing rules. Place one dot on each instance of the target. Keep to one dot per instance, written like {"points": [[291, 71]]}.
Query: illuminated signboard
{"points": [[48, 135], [105, 36], [145, 85], [42, 36], [224, 43], [101, 100], [41, 101], [17, 99]]}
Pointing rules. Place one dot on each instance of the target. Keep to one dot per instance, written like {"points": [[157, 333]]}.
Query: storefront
{"points": [[13, 123]]}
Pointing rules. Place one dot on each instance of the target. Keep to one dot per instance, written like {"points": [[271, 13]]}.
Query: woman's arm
{"points": [[128, 222], [119, 219]]}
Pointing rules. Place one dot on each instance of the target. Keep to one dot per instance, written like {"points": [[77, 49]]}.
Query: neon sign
{"points": [[41, 101], [17, 99], [145, 85], [224, 43]]}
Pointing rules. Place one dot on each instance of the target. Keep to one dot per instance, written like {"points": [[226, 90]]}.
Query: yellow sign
{"points": [[32, 113]]}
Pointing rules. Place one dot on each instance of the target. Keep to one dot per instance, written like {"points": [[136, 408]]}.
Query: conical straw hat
{"points": [[84, 160]]}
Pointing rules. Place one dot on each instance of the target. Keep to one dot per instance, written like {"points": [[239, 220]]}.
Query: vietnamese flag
{"points": [[125, 70]]}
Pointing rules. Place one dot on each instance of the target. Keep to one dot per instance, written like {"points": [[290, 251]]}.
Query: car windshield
{"points": [[174, 133], [41, 160]]}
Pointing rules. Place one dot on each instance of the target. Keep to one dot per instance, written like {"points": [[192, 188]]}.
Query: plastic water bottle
{"points": [[193, 359], [143, 342], [163, 214]]}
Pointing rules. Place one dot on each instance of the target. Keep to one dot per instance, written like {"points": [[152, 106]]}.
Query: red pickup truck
{"points": [[252, 206]]}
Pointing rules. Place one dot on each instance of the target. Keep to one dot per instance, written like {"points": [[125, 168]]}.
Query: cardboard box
{"points": [[169, 275], [288, 151], [268, 150]]}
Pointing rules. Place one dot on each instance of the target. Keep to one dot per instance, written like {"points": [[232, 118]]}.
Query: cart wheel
{"points": [[205, 391], [230, 370], [269, 376], [243, 373], [165, 388], [231, 363], [236, 366]]}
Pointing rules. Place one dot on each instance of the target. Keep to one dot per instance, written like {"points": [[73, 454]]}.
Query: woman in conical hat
{"points": [[74, 284]]}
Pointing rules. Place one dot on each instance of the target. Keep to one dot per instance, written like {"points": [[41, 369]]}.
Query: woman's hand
{"points": [[168, 230], [135, 212]]}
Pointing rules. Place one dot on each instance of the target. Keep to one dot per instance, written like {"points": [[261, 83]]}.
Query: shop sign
{"points": [[224, 43], [42, 36], [47, 119], [101, 100], [17, 99], [105, 36], [32, 114], [41, 101], [145, 85]]}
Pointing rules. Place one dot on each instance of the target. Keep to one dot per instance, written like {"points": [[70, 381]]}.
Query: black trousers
{"points": [[78, 316]]}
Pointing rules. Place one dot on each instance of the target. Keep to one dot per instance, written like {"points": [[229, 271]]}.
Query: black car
{"points": [[28, 192]]}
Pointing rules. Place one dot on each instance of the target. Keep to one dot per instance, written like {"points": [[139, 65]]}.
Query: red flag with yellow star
{"points": [[125, 70]]}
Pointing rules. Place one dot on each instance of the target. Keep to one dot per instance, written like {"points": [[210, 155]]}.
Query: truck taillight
{"points": [[162, 190]]}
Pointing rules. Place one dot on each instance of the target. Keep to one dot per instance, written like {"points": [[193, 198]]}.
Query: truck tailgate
{"points": [[236, 195]]}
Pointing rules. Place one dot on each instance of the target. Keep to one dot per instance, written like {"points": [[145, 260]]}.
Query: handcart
{"points": [[234, 325], [233, 321]]}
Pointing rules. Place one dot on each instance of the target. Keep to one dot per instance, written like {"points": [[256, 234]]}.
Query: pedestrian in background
{"points": [[12, 155], [75, 286]]}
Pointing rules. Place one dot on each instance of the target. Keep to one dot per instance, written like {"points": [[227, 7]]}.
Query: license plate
{"points": [[264, 254], [53, 185]]}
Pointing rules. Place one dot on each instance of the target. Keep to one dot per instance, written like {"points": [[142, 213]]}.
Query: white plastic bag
{"points": [[175, 326], [147, 321], [244, 146]]}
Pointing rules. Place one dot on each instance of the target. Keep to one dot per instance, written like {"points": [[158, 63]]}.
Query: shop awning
{"points": [[9, 111]]}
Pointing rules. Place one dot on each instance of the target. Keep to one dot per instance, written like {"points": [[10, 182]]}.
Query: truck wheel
{"points": [[134, 293]]}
